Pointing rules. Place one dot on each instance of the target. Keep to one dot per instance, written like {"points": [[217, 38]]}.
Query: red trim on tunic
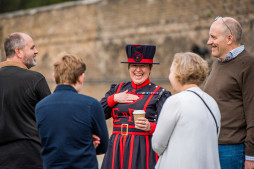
{"points": [[131, 151], [111, 101], [141, 85], [114, 148], [156, 157], [124, 141], [119, 87], [130, 115], [115, 115], [147, 152], [149, 99], [121, 152], [153, 126]]}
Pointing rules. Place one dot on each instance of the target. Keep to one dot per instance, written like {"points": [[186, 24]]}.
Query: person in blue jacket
{"points": [[71, 126]]}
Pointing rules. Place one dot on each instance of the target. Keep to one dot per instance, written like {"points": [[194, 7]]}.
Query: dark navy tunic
{"points": [[130, 148]]}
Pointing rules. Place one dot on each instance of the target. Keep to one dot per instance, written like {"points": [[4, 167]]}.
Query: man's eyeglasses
{"points": [[220, 18]]}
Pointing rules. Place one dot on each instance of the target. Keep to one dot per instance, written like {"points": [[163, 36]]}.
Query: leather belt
{"points": [[127, 129]]}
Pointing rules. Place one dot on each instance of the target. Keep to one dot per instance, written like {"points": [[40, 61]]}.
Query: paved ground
{"points": [[100, 158]]}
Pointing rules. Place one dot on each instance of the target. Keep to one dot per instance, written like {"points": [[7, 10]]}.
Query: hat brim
{"points": [[140, 63]]}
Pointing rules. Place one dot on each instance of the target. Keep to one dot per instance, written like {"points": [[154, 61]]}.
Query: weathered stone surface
{"points": [[98, 30]]}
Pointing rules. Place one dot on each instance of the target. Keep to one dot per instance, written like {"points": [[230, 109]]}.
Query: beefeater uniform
{"points": [[130, 148]]}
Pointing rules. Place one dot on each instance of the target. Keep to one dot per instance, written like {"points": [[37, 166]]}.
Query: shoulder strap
{"points": [[160, 94], [207, 107]]}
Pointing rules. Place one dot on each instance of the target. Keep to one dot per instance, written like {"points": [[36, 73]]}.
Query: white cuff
{"points": [[249, 158]]}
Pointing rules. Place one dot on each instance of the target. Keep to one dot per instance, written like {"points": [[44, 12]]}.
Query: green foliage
{"points": [[14, 5]]}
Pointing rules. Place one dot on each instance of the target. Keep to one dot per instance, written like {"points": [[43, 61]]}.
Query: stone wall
{"points": [[98, 30]]}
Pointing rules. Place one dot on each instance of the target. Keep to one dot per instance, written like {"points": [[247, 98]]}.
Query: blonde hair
{"points": [[68, 69], [189, 68]]}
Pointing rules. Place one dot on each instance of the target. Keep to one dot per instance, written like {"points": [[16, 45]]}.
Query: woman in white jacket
{"points": [[186, 136]]}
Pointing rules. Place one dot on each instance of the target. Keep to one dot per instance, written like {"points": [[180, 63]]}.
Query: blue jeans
{"points": [[232, 156]]}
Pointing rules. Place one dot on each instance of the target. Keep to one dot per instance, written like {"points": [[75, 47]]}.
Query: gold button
{"points": [[156, 115], [154, 119]]}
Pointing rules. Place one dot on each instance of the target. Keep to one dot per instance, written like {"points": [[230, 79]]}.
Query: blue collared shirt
{"points": [[232, 54]]}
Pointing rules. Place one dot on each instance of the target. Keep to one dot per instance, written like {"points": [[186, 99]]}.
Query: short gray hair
{"points": [[13, 41], [235, 27]]}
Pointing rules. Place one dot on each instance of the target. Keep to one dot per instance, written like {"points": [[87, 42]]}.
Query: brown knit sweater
{"points": [[231, 84]]}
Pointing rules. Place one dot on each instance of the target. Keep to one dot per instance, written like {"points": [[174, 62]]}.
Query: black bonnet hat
{"points": [[140, 54]]}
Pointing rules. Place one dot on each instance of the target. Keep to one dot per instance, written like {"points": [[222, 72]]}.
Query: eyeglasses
{"points": [[218, 18]]}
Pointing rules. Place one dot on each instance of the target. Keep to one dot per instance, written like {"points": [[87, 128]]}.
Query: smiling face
{"points": [[139, 73], [29, 52], [218, 39]]}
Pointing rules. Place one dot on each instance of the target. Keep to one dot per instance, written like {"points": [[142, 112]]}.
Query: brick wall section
{"points": [[97, 30]]}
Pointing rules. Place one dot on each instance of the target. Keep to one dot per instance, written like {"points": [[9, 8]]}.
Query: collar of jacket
{"points": [[62, 87], [141, 85], [12, 63]]}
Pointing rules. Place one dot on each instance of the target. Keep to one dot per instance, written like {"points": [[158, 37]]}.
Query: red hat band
{"points": [[131, 60]]}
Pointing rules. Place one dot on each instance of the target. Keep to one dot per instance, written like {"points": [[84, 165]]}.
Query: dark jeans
{"points": [[232, 156]]}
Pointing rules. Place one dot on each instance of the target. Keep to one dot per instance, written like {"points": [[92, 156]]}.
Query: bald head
{"points": [[224, 35], [231, 26]]}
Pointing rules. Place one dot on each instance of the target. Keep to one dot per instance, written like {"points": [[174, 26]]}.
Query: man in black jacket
{"points": [[20, 90]]}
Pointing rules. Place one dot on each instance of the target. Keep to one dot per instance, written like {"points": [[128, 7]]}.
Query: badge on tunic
{"points": [[147, 93]]}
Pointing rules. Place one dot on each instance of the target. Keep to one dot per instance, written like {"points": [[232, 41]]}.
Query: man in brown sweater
{"points": [[231, 84]]}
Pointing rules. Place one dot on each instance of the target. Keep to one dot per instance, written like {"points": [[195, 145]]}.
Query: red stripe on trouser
{"points": [[114, 148], [147, 152], [121, 152], [122, 145], [131, 151], [156, 157], [124, 141]]}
